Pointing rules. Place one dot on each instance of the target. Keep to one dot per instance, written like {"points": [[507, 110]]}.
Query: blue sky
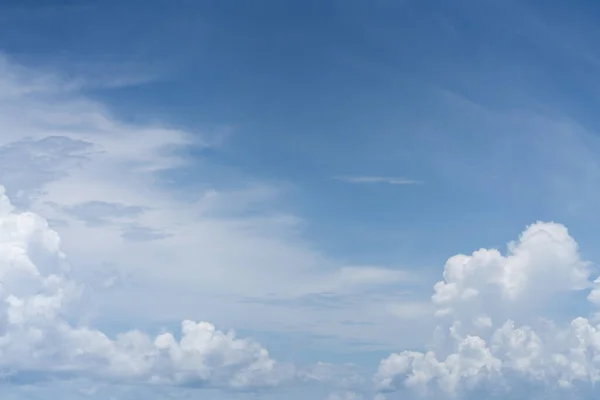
{"points": [[301, 173]]}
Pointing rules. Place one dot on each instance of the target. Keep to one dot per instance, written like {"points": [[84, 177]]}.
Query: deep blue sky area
{"points": [[318, 89]]}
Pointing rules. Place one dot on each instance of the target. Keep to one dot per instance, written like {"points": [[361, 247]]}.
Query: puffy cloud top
{"points": [[544, 261], [490, 330]]}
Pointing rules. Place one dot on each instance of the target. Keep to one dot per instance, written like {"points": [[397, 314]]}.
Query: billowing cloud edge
{"points": [[495, 325], [36, 337]]}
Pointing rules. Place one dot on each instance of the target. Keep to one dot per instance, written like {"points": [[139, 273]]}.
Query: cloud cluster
{"points": [[36, 337], [496, 324]]}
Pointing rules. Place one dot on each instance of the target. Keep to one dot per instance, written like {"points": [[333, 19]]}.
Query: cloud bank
{"points": [[37, 339], [500, 327]]}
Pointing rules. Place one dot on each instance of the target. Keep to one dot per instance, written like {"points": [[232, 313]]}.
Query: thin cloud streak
{"points": [[378, 179]]}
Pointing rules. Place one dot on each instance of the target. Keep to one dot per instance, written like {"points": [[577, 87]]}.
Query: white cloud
{"points": [[377, 179], [36, 337], [543, 262], [494, 326]]}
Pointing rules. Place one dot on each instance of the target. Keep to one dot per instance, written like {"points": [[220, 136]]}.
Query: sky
{"points": [[336, 200]]}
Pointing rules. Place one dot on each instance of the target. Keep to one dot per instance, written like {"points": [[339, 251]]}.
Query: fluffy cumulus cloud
{"points": [[37, 338], [501, 323]]}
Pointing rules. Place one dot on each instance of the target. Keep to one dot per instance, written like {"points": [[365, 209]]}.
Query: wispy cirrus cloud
{"points": [[390, 180], [114, 192]]}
